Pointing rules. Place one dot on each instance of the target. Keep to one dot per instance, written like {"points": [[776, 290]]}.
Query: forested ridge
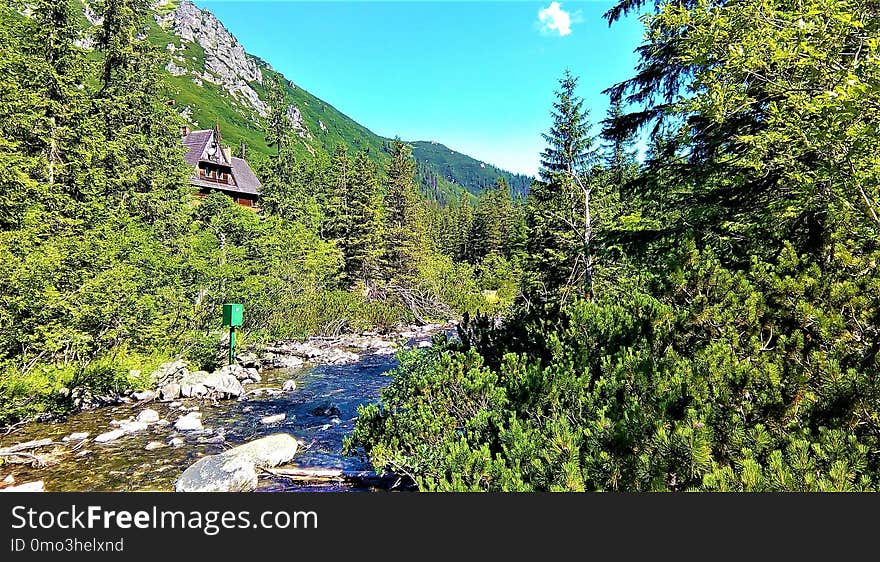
{"points": [[109, 266], [705, 320]]}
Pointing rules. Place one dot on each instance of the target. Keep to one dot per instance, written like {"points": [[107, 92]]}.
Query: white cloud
{"points": [[553, 19]]}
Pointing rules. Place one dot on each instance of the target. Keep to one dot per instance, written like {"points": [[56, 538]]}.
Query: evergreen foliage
{"points": [[731, 340]]}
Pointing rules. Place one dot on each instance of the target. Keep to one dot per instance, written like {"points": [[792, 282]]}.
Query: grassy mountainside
{"points": [[444, 173], [324, 127]]}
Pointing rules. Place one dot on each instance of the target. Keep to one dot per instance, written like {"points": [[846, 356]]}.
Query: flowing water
{"points": [[320, 413]]}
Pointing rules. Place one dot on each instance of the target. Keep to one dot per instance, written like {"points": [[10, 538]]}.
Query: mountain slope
{"points": [[213, 80], [467, 172]]}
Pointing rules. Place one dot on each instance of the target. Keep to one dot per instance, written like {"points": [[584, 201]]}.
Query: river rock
{"points": [[190, 422], [193, 390], [325, 410], [170, 372], [78, 436], [218, 473], [153, 445], [144, 395], [235, 470], [148, 416], [133, 426], [226, 385], [221, 383], [170, 392], [239, 372], [177, 442], [247, 360], [110, 436], [37, 486], [275, 418], [289, 385], [339, 357]]}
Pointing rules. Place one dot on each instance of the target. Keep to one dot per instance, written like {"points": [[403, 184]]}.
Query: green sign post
{"points": [[232, 317]]}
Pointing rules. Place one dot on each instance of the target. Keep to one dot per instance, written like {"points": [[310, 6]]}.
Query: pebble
{"points": [[176, 442], [153, 445], [289, 385]]}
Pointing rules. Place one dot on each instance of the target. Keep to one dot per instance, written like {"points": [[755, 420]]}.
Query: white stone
{"points": [[109, 436], [148, 416], [275, 418], [37, 486], [189, 422]]}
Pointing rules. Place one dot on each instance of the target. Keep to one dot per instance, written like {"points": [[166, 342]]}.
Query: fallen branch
{"points": [[27, 445], [35, 461], [333, 475]]}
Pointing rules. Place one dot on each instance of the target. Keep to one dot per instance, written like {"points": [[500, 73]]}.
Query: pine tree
{"points": [[561, 222], [570, 148], [491, 222], [620, 151], [141, 149], [362, 245], [336, 208], [404, 234]]}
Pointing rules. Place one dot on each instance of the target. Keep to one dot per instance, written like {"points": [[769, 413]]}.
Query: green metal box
{"points": [[232, 314]]}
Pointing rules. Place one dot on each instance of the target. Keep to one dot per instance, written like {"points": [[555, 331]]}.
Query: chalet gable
{"points": [[215, 169]]}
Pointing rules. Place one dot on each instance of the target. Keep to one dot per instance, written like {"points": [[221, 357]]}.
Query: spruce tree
{"points": [[561, 221], [362, 244], [404, 234]]}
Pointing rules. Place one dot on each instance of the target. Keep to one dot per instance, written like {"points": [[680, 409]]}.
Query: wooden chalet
{"points": [[215, 169]]}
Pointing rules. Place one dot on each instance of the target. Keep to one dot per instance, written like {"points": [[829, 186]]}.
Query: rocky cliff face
{"points": [[226, 62]]}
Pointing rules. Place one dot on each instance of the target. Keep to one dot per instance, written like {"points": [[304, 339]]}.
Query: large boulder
{"points": [[269, 451], [170, 392], [235, 470], [170, 372], [220, 383], [218, 473]]}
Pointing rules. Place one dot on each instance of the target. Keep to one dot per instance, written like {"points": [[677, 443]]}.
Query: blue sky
{"points": [[476, 76]]}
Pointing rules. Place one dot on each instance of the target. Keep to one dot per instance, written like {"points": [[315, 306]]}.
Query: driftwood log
{"points": [[335, 476], [18, 453]]}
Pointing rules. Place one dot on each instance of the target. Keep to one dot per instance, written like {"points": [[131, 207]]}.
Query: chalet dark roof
{"points": [[195, 143], [243, 179]]}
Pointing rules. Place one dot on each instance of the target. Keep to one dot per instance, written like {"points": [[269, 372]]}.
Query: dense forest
{"points": [[704, 320], [108, 265]]}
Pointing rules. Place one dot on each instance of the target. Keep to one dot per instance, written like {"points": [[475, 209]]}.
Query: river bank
{"points": [[308, 389]]}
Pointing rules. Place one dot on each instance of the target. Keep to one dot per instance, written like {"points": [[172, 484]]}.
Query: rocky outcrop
{"points": [[226, 62], [235, 470], [294, 115]]}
